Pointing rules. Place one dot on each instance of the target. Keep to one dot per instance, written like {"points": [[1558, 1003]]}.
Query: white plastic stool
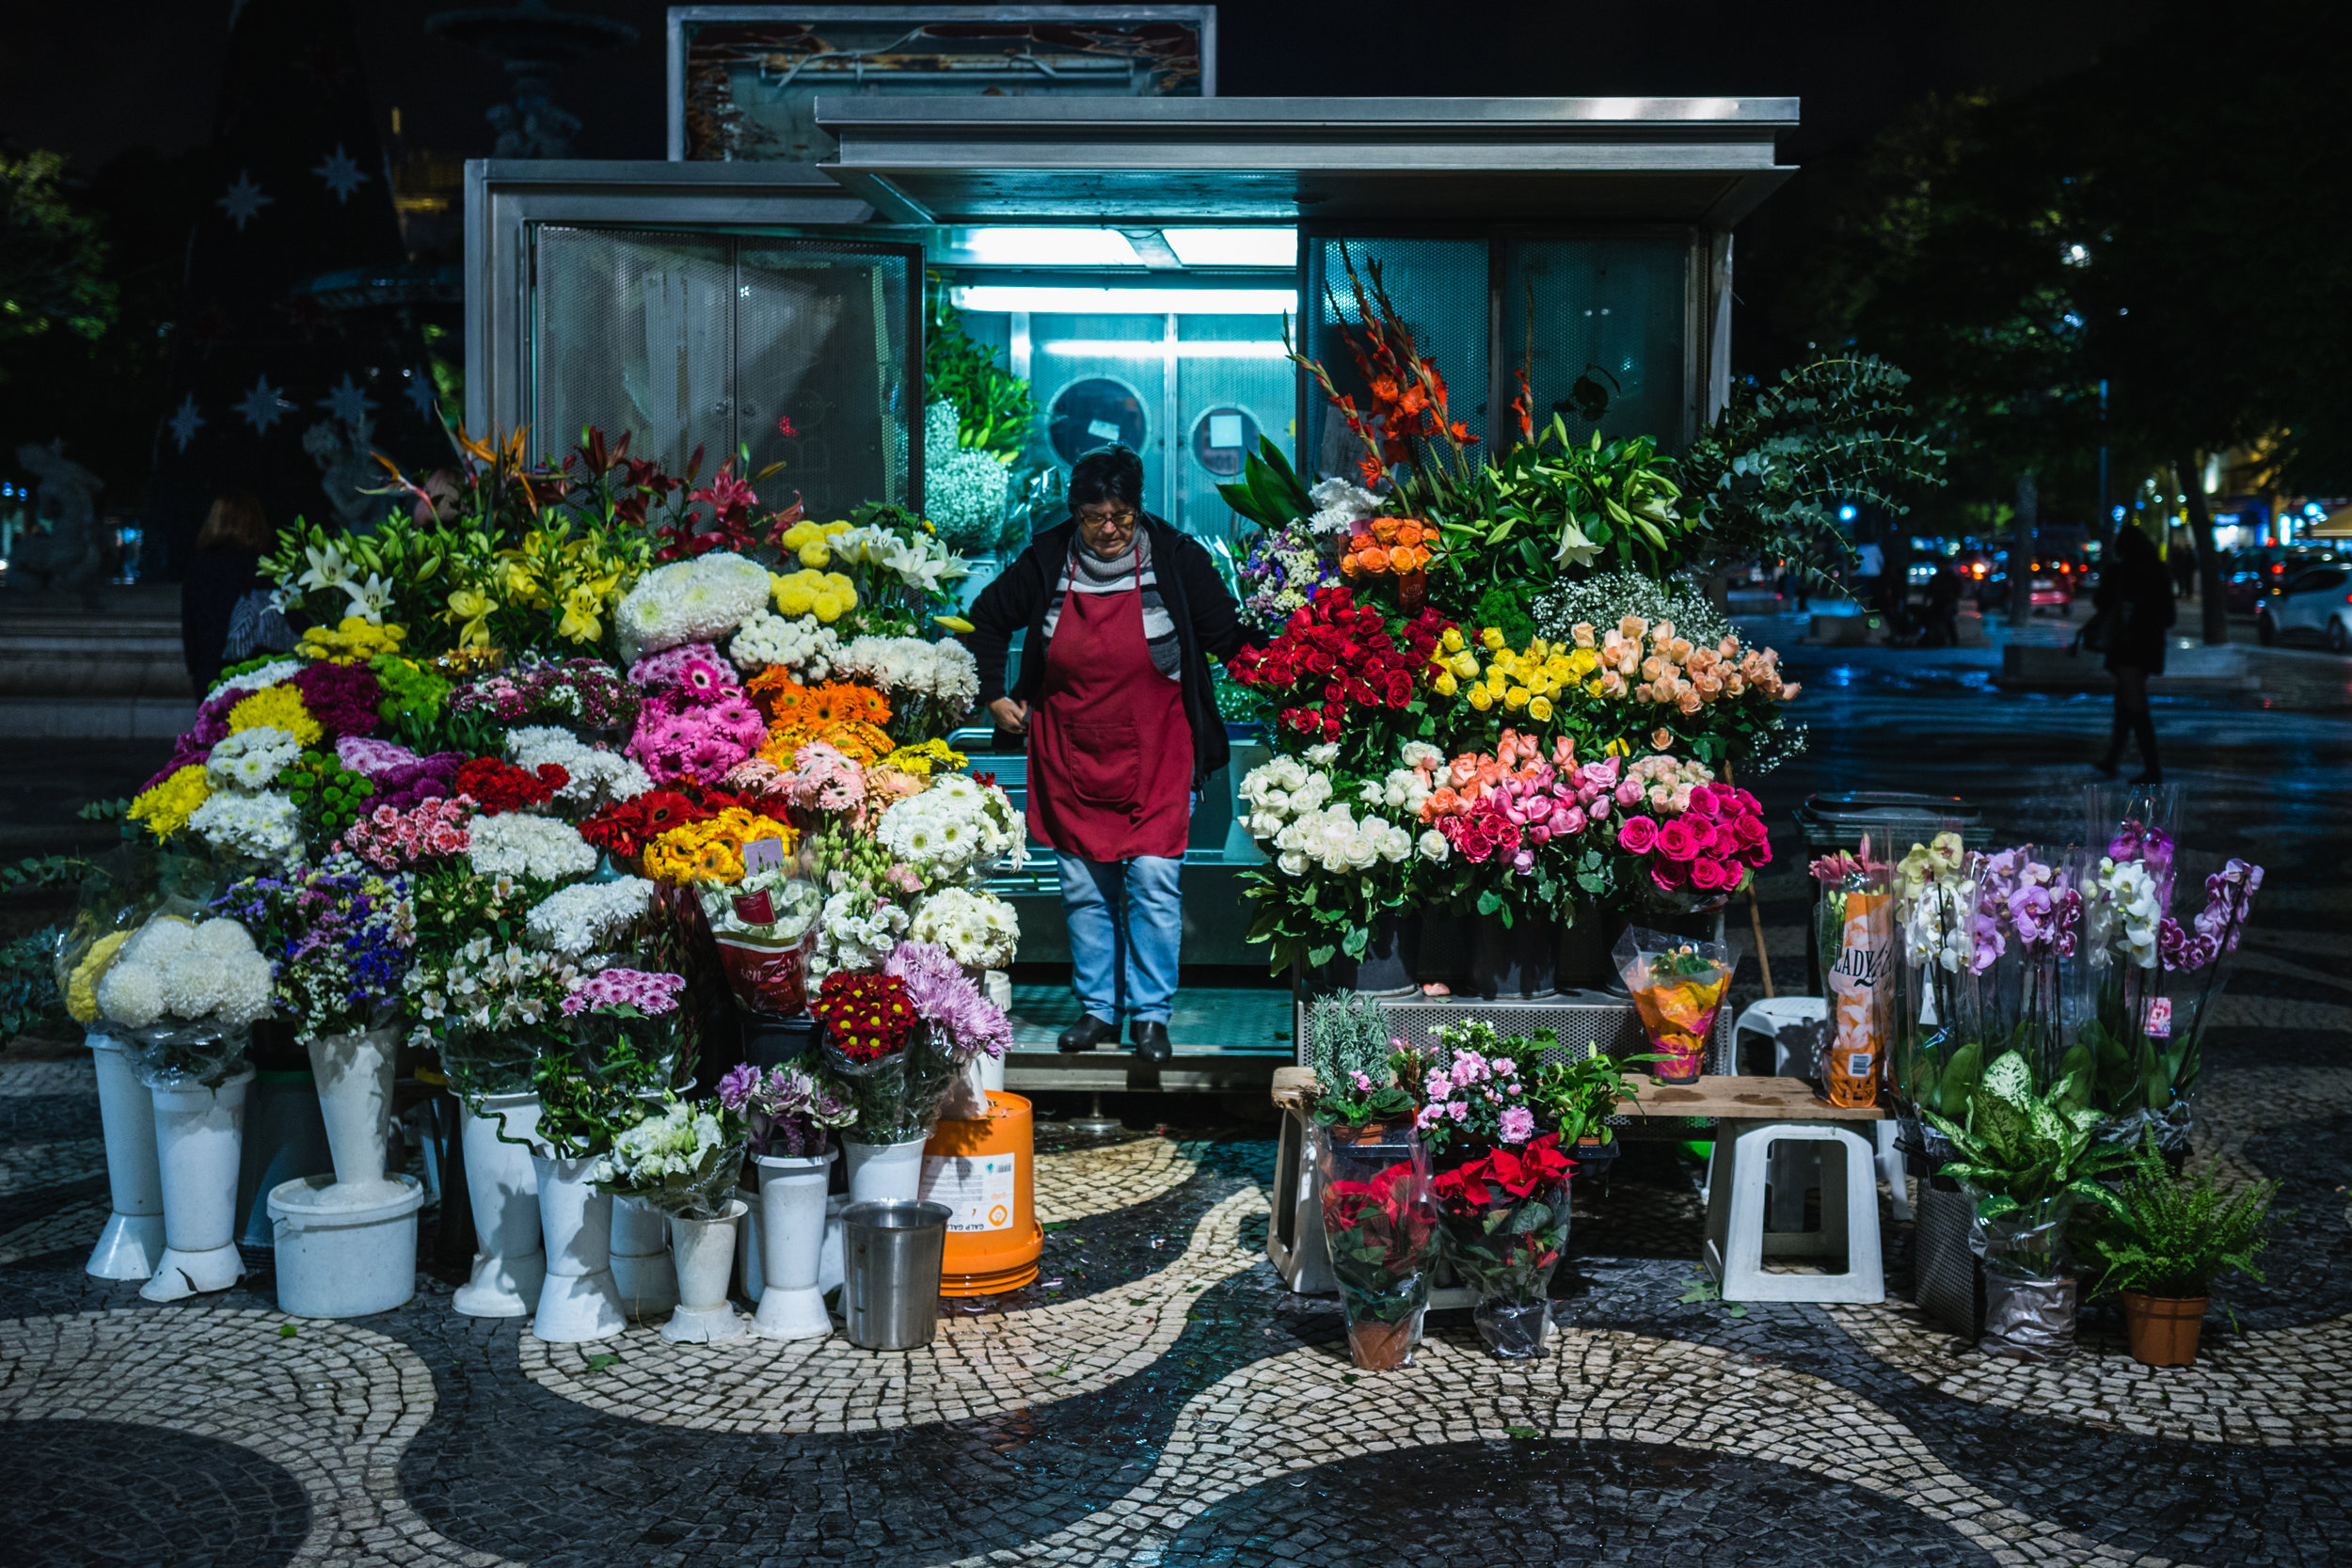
{"points": [[1795, 1167], [1737, 1242]]}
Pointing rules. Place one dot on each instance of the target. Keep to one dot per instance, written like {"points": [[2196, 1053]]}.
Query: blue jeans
{"points": [[1126, 921]]}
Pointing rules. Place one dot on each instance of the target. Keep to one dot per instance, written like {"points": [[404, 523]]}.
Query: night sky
{"points": [[95, 80]]}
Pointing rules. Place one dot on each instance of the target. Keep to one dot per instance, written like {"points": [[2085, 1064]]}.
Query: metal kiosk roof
{"points": [[948, 160]]}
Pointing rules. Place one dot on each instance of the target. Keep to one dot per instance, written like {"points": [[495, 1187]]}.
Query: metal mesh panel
{"points": [[1610, 328], [1441, 289], [824, 342], [1950, 1279], [633, 331]]}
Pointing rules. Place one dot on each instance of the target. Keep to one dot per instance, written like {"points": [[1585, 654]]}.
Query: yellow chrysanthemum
{"points": [[279, 707], [355, 641], [166, 807], [81, 988]]}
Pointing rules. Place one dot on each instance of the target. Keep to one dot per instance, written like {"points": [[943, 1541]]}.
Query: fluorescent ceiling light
{"points": [[1117, 348], [1047, 247], [1233, 248], [1124, 302]]}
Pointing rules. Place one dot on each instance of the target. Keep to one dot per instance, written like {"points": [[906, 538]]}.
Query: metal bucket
{"points": [[891, 1256]]}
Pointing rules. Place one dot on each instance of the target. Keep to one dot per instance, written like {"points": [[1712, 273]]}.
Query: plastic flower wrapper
{"points": [[790, 1114], [764, 926], [963, 1024], [1380, 1227], [118, 890], [188, 993], [1506, 1227], [1679, 987], [619, 1047], [895, 1070], [1854, 923], [684, 1160], [1939, 1040]]}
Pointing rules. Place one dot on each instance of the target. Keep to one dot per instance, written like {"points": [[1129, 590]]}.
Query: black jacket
{"points": [[2137, 597], [1208, 622]]}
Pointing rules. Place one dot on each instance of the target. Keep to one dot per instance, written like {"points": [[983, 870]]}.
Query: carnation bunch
{"points": [[370, 757], [631, 993], [391, 839], [576, 693], [498, 787], [594, 777]]}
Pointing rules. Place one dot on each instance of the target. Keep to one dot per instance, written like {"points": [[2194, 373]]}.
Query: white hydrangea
{"points": [[516, 844], [597, 776], [266, 826], [249, 759], [689, 601], [1341, 506], [802, 643], [978, 929], [588, 917]]}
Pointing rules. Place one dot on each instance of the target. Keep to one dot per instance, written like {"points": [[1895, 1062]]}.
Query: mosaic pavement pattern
{"points": [[1159, 1398]]}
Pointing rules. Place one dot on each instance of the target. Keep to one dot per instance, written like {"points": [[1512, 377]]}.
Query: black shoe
{"points": [[2105, 768], [1151, 1042], [1084, 1034]]}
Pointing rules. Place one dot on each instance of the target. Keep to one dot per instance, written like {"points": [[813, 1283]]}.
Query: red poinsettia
{"points": [[1335, 660], [1505, 1174], [1386, 1215], [497, 787], [866, 1017]]}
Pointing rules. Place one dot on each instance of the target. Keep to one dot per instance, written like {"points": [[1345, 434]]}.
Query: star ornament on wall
{"points": [[421, 391], [244, 201], [264, 407], [342, 173], [185, 422], [348, 402]]}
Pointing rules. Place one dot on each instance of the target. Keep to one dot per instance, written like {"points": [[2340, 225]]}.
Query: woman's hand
{"points": [[1011, 717]]}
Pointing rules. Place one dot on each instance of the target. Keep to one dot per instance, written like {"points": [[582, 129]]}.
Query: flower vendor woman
{"points": [[1122, 613]]}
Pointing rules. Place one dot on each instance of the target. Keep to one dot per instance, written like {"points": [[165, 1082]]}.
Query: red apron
{"points": [[1111, 752]]}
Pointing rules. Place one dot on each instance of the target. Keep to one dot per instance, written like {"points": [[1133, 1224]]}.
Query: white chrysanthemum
{"points": [[132, 995], [267, 826], [589, 917], [222, 939], [596, 775], [519, 844], [249, 759], [689, 601], [978, 929], [803, 645], [254, 680]]}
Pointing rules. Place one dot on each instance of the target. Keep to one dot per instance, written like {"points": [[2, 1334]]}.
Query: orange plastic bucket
{"points": [[985, 1172]]}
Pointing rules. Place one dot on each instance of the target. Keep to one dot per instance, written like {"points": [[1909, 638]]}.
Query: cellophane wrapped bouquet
{"points": [[1677, 986]]}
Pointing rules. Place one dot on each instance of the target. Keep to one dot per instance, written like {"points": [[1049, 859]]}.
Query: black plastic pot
{"points": [[1517, 963], [772, 1041]]}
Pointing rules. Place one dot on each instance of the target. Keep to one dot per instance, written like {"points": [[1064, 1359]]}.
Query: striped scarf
{"points": [[1087, 573]]}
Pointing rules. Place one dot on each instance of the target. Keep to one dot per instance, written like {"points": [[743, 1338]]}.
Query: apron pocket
{"points": [[1101, 762]]}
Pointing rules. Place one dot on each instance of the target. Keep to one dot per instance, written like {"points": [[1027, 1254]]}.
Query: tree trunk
{"points": [[2216, 616], [2025, 547]]}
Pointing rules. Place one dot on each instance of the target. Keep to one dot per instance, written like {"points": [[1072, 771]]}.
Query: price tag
{"points": [[763, 854], [2160, 1019]]}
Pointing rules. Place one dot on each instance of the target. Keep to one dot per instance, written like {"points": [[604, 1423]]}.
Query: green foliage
{"points": [[1580, 1097], [1269, 492], [995, 410], [43, 871], [1504, 608], [2025, 1153], [1773, 472], [1555, 507], [28, 984], [413, 698], [103, 811], [52, 259], [2174, 1235]]}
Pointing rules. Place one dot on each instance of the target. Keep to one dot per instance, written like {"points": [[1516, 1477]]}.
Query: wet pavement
{"points": [[1159, 1397]]}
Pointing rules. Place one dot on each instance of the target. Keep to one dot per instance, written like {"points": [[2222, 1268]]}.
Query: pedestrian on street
{"points": [[2133, 609], [1122, 613], [1944, 607], [222, 573]]}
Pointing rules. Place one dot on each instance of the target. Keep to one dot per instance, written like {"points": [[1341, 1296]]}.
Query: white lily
{"points": [[329, 567], [369, 599]]}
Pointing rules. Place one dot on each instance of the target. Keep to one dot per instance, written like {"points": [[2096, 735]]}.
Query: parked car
{"points": [[2316, 602], [2248, 575], [2055, 580]]}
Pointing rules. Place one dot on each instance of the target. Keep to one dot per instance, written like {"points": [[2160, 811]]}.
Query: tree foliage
{"points": [[52, 259]]}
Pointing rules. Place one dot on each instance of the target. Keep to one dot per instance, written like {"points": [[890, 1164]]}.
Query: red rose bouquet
{"points": [[1338, 668]]}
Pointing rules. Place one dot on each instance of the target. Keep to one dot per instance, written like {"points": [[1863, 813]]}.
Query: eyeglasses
{"points": [[1117, 519]]}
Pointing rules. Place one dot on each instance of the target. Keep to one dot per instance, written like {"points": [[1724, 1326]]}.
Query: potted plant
{"points": [[2026, 1161], [1579, 1097], [2167, 1242], [682, 1162], [789, 1117], [1379, 1224], [630, 1016], [1501, 1182], [895, 1074], [1355, 1060]]}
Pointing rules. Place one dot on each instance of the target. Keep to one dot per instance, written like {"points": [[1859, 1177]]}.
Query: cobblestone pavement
{"points": [[1159, 1398]]}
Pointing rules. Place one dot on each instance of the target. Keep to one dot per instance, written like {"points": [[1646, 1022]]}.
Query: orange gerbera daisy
{"points": [[844, 702], [861, 742], [775, 691]]}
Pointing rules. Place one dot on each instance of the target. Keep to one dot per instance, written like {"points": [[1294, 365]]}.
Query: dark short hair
{"points": [[1107, 474]]}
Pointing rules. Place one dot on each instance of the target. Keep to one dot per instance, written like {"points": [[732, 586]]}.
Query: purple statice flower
{"points": [[1517, 1124]]}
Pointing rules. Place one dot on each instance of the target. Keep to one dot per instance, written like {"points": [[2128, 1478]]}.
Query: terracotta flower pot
{"points": [[1379, 1347], [2162, 1330]]}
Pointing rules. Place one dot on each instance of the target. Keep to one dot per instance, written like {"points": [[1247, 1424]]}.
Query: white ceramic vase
{"points": [[354, 1079], [885, 1173], [508, 1264], [199, 1140], [132, 1240], [791, 1244], [641, 1271], [577, 1300], [705, 1252]]}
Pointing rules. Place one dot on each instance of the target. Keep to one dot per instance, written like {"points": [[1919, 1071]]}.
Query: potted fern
{"points": [[2161, 1249], [2027, 1160]]}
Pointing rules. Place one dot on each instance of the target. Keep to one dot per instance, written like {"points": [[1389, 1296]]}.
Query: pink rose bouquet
{"points": [[1710, 837]]}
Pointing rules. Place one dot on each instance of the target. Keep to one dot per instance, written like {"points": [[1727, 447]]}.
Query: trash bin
{"points": [[890, 1273], [1894, 821]]}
